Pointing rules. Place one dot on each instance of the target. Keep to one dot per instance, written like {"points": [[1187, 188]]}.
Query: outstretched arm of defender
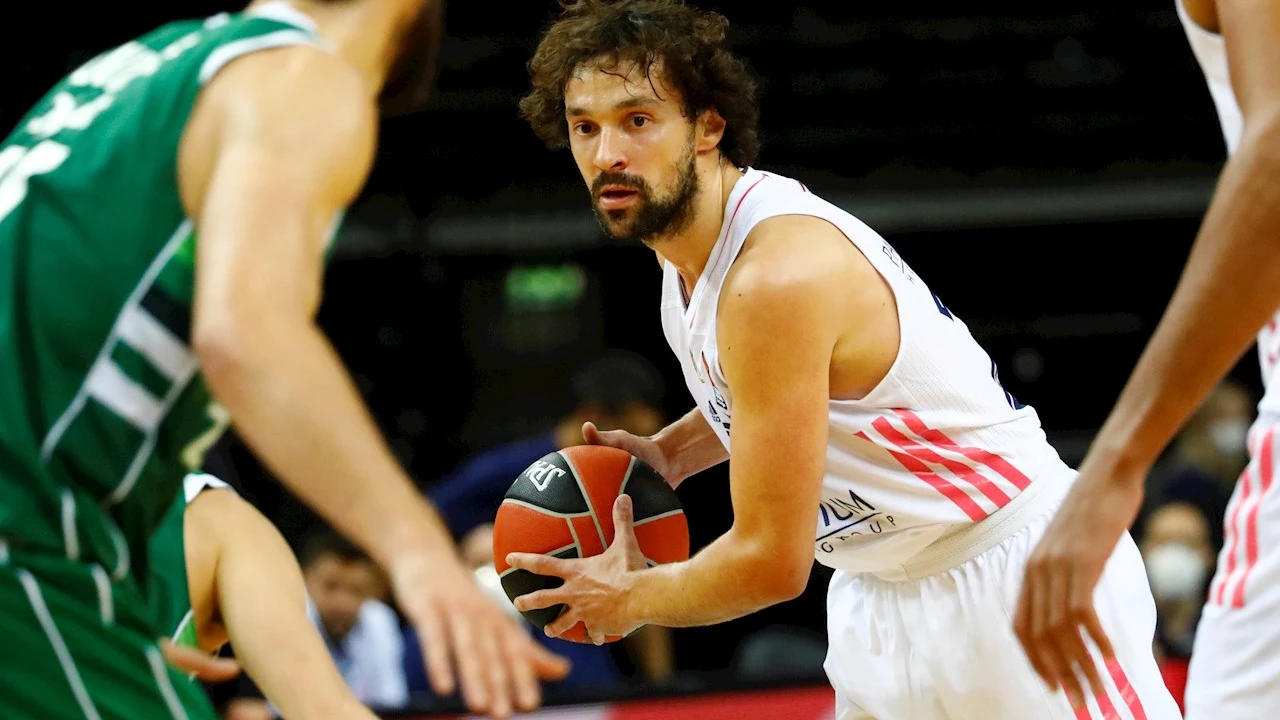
{"points": [[1228, 290], [280, 142]]}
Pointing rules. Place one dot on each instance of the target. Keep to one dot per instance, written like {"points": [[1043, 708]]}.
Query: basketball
{"points": [[562, 505]]}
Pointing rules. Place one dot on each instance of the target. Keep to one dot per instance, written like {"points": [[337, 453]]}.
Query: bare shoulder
{"points": [[801, 282], [293, 91], [222, 512], [299, 111], [795, 258], [210, 514]]}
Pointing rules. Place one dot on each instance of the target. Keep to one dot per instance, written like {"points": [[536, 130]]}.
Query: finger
{"points": [[561, 625], [496, 662], [1065, 660], [1070, 655], [539, 564], [434, 637], [540, 599], [1036, 622], [623, 519], [590, 434], [202, 665], [1070, 638], [1086, 617], [1022, 622], [547, 665], [475, 690], [524, 679], [596, 637]]}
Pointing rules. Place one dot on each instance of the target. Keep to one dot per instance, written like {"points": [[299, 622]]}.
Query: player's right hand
{"points": [[498, 663], [642, 447]]}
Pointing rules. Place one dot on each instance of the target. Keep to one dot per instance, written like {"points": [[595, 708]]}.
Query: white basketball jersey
{"points": [[936, 445], [1211, 53]]}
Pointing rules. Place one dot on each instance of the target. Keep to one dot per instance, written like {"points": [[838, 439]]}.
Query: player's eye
{"points": [[639, 120], [583, 128]]}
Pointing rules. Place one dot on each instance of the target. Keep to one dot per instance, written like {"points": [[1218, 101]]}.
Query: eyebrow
{"points": [[627, 104]]}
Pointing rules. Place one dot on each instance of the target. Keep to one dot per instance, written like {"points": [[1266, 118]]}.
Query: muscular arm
{"points": [[245, 573], [1231, 283], [781, 314], [278, 146]]}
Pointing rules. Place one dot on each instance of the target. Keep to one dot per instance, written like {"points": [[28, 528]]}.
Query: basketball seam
{"points": [[604, 543], [573, 532], [510, 570], [544, 511], [622, 489]]}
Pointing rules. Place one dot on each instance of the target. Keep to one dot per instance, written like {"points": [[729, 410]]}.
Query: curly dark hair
{"points": [[688, 44]]}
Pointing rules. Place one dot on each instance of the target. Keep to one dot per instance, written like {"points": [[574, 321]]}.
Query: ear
{"points": [[710, 130]]}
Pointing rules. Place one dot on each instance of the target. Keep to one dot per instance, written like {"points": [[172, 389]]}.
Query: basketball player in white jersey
{"points": [[863, 424], [1230, 291]]}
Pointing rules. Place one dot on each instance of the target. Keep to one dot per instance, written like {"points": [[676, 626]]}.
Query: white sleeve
{"points": [[195, 483], [392, 690]]}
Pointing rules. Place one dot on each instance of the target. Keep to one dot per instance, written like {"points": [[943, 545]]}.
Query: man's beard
{"points": [[652, 218]]}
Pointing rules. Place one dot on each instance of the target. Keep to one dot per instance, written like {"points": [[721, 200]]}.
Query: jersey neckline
{"points": [[750, 178]]}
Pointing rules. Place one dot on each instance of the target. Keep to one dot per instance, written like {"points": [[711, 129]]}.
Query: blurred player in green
{"points": [[165, 214], [223, 573]]}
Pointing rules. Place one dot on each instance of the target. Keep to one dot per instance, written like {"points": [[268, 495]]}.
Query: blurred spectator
{"points": [[1179, 555], [1207, 457], [616, 390], [362, 633]]}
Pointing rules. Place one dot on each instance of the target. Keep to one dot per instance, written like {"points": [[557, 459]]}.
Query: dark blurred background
{"points": [[1044, 166]]}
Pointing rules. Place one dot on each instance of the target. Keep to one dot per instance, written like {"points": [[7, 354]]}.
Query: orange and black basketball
{"points": [[562, 505]]}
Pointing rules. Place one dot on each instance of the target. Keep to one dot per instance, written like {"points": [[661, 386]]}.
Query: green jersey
{"points": [[102, 409]]}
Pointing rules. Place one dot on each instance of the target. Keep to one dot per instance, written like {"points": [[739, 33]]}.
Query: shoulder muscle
{"points": [[297, 116]]}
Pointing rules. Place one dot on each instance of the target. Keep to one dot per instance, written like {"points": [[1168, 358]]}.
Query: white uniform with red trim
{"points": [[937, 485], [1235, 663]]}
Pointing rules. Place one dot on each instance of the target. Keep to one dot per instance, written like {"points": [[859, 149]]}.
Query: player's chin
{"points": [[620, 223]]}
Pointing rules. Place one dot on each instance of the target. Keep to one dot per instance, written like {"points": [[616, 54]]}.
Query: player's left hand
{"points": [[595, 588], [1056, 599]]}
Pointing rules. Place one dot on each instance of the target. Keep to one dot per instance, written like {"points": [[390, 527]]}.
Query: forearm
{"points": [[730, 578], [262, 603], [293, 402], [1229, 289], [691, 445]]}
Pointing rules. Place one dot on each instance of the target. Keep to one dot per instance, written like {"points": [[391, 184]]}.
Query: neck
{"points": [[365, 34], [690, 249]]}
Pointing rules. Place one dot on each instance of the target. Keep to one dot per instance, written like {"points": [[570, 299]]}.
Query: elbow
{"points": [[226, 345], [780, 574], [791, 578]]}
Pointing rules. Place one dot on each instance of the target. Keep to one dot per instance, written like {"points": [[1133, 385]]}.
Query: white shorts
{"points": [[1235, 662], [939, 644]]}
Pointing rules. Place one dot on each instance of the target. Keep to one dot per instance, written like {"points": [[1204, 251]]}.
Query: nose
{"points": [[609, 152]]}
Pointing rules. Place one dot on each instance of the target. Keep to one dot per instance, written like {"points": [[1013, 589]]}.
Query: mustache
{"points": [[616, 178]]}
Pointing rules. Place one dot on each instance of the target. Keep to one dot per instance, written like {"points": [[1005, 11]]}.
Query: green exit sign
{"points": [[537, 287]]}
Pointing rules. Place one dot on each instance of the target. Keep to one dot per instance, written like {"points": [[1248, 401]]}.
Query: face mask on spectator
{"points": [[1176, 571], [1229, 436]]}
